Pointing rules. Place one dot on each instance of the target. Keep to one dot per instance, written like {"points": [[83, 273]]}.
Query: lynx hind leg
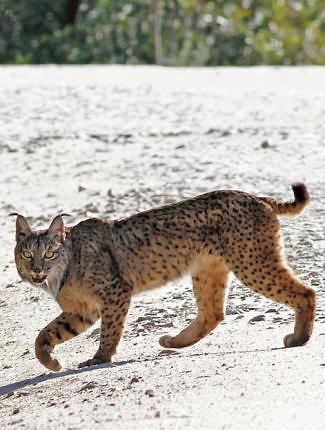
{"points": [[305, 308], [210, 290], [277, 282]]}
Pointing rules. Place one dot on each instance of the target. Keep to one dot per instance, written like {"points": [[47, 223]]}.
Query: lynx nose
{"points": [[37, 269]]}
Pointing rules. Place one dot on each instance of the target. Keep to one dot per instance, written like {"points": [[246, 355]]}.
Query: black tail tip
{"points": [[300, 192]]}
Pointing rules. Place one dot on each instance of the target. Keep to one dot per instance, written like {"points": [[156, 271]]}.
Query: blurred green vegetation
{"points": [[171, 32]]}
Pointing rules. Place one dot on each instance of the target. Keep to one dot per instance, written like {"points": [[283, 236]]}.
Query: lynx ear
{"points": [[22, 228], [57, 227]]}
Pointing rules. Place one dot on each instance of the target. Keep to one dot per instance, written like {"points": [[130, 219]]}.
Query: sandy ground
{"points": [[110, 141]]}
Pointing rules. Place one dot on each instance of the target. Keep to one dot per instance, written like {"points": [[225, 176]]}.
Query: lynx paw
{"points": [[51, 363], [43, 353], [166, 341], [92, 362], [98, 358], [291, 340], [54, 365]]}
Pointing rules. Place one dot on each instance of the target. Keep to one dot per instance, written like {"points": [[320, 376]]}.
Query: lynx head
{"points": [[39, 254]]}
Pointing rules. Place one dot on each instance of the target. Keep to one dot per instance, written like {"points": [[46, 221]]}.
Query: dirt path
{"points": [[110, 141]]}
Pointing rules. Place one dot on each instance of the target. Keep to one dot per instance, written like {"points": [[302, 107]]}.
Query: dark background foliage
{"points": [[171, 32]]}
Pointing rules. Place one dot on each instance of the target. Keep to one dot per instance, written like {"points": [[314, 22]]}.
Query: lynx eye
{"points": [[50, 254], [27, 254]]}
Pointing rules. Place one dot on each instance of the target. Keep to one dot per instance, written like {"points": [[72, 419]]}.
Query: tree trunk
{"points": [[71, 10], [157, 26]]}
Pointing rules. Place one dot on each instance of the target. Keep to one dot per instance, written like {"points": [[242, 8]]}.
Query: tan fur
{"points": [[93, 268]]}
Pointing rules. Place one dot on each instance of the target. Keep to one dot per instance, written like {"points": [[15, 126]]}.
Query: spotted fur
{"points": [[93, 268]]}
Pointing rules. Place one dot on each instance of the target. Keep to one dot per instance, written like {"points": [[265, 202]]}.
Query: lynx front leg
{"points": [[63, 328], [115, 309]]}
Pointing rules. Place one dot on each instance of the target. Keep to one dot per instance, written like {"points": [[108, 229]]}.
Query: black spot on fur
{"points": [[69, 329]]}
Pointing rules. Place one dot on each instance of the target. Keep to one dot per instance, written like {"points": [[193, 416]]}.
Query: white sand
{"points": [[135, 138]]}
